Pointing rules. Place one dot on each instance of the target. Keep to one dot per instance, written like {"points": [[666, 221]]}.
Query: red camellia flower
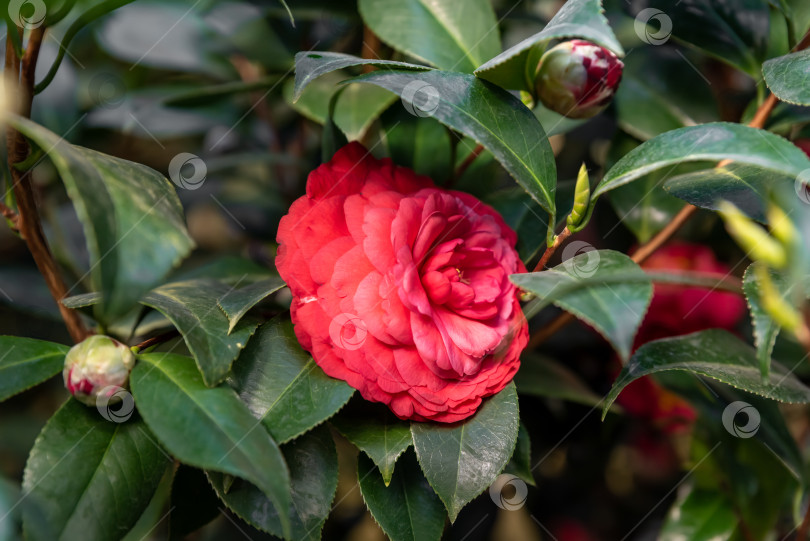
{"points": [[401, 288]]}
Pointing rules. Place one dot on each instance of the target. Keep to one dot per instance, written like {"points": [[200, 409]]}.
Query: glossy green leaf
{"points": [[451, 35], [789, 77], [546, 378], [126, 209], [734, 31], [81, 461], [283, 386], [382, 439], [237, 302], [576, 19], [406, 509], [715, 354], [486, 113], [461, 460], [311, 65], [313, 463], [82, 300], [700, 515], [604, 288], [765, 328], [521, 462], [192, 307], [744, 185], [208, 427], [708, 142], [356, 107], [25, 362], [231, 270], [193, 502], [643, 206]]}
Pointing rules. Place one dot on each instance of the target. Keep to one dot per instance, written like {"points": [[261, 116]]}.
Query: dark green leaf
{"points": [[700, 515], [232, 270], [661, 91], [734, 31], [192, 307], [421, 144], [451, 35], [356, 106], [80, 462], [194, 503], [236, 303], [25, 362], [514, 68], [716, 354], [486, 113], [546, 378], [709, 142], [82, 301], [283, 386], [208, 427], [312, 459], [407, 509], [604, 288], [521, 462], [311, 65], [744, 185], [643, 206], [789, 77], [461, 460], [383, 440], [126, 209]]}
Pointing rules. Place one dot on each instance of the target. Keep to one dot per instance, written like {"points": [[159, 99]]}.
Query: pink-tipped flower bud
{"points": [[577, 78], [97, 366]]}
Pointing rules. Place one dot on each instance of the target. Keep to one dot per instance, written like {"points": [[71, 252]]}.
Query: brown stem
{"points": [[468, 161], [551, 249], [646, 250], [21, 81], [157, 340], [9, 214], [371, 48]]}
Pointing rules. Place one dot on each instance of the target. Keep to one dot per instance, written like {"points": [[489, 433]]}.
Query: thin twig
{"points": [[468, 161], [21, 81], [551, 249], [156, 340]]}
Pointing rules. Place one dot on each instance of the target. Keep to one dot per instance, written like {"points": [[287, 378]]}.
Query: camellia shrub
{"points": [[457, 269]]}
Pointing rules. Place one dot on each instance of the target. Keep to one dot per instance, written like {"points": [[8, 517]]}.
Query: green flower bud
{"points": [[98, 365], [582, 199], [752, 238]]}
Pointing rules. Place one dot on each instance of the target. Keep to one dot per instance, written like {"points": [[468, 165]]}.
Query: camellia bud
{"points": [[98, 364], [582, 199], [577, 78]]}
